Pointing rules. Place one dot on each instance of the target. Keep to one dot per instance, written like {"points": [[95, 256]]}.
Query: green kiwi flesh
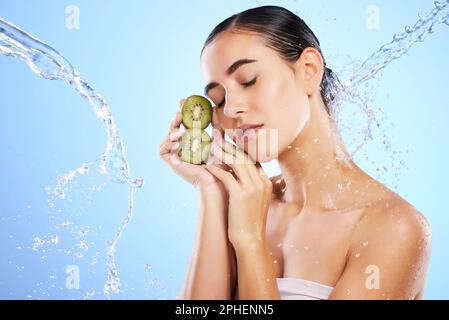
{"points": [[195, 146], [196, 112]]}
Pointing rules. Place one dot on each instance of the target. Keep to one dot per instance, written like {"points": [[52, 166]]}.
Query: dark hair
{"points": [[282, 31]]}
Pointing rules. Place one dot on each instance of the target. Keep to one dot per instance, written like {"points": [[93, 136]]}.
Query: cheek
{"points": [[294, 118], [286, 107], [224, 121], [286, 110]]}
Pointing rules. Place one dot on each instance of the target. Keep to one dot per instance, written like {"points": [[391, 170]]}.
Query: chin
{"points": [[262, 152]]}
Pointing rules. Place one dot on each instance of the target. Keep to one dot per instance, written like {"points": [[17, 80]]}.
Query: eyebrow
{"points": [[237, 64]]}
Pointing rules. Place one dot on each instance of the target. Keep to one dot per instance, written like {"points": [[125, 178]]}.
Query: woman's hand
{"points": [[197, 175], [249, 191]]}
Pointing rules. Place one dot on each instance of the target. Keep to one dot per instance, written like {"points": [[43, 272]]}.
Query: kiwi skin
{"points": [[195, 146], [196, 112]]}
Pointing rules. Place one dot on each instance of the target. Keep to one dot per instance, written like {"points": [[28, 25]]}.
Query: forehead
{"points": [[228, 47]]}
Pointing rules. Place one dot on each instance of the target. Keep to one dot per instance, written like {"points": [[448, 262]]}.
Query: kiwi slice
{"points": [[196, 112], [195, 146]]}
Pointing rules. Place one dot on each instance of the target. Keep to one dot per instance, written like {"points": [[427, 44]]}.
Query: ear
{"points": [[310, 69]]}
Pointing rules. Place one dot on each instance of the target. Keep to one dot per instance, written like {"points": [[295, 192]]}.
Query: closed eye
{"points": [[244, 85]]}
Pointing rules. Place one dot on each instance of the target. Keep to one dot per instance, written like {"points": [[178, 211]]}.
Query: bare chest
{"points": [[309, 245]]}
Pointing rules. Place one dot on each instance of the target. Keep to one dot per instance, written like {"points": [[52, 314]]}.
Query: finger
{"points": [[175, 135], [181, 103], [262, 175], [244, 165], [176, 122], [230, 148], [165, 147], [219, 157], [214, 160], [225, 177], [229, 159]]}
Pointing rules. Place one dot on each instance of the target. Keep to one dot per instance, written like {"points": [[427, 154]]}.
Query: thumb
{"points": [[181, 102]]}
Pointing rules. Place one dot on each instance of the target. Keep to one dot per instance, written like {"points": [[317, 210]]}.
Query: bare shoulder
{"points": [[393, 218], [388, 255], [396, 238]]}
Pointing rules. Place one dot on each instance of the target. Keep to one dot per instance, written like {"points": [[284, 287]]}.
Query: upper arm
{"points": [[388, 257]]}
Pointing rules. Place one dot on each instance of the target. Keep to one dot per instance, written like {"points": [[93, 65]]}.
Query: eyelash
{"points": [[245, 85]]}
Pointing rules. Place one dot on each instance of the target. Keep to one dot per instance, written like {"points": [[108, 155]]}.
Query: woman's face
{"points": [[265, 91]]}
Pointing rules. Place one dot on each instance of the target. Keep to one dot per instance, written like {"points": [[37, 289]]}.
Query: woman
{"points": [[323, 229]]}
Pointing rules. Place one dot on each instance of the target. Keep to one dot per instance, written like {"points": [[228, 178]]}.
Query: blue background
{"points": [[143, 56]]}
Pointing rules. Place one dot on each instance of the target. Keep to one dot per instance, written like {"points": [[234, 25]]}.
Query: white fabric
{"points": [[300, 289]]}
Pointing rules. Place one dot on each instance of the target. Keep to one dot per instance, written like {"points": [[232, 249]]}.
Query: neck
{"points": [[314, 174]]}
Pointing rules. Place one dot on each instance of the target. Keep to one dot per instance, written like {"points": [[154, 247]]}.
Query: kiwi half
{"points": [[195, 146], [196, 112]]}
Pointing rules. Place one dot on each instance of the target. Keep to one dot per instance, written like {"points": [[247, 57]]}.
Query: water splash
{"points": [[400, 44], [49, 64], [356, 94]]}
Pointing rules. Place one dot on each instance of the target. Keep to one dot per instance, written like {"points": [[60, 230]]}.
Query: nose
{"points": [[234, 109]]}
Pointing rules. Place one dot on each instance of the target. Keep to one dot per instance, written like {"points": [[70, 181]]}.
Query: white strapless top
{"points": [[300, 289]]}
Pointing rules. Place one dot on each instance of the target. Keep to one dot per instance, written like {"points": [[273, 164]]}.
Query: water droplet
{"points": [[316, 140], [88, 295], [275, 261], [38, 242], [138, 182], [65, 224], [357, 255], [365, 243], [54, 239], [306, 248], [279, 245], [83, 169], [438, 5]]}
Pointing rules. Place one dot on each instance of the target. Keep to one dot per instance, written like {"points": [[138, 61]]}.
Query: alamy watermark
{"points": [[373, 279], [72, 20], [73, 280], [372, 21]]}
